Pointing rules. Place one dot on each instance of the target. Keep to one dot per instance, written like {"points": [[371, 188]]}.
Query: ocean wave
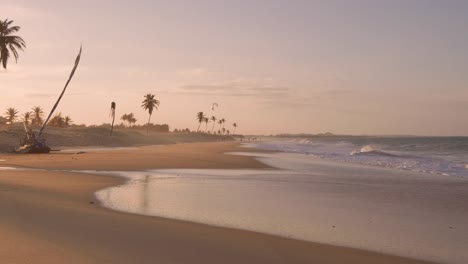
{"points": [[371, 150], [444, 156]]}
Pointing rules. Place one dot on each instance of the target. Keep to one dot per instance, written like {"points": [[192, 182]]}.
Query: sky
{"points": [[346, 67]]}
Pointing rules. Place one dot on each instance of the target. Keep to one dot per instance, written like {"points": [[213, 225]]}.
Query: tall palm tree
{"points": [[213, 118], [220, 122], [235, 127], [27, 117], [149, 103], [37, 115], [112, 114], [9, 43], [206, 120], [11, 115], [224, 121], [200, 119]]}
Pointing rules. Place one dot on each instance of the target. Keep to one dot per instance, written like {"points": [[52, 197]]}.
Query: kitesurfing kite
{"points": [[213, 106]]}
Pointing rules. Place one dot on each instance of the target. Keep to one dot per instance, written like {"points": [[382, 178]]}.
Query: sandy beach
{"points": [[52, 217]]}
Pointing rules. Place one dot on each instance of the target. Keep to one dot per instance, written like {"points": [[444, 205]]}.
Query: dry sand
{"points": [[51, 217]]}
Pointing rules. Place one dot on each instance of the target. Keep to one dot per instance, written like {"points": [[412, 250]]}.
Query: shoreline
{"points": [[69, 193]]}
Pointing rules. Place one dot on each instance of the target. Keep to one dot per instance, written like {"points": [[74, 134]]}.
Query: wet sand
{"points": [[52, 217]]}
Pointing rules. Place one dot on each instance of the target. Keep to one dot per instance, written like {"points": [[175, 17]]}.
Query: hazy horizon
{"points": [[345, 67]]}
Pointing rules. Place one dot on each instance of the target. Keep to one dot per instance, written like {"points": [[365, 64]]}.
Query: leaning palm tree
{"points": [[9, 43], [200, 119], [213, 118], [27, 117], [149, 103], [11, 115], [37, 115], [235, 127]]}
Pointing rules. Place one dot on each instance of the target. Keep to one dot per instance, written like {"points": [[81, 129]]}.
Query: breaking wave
{"points": [[438, 155]]}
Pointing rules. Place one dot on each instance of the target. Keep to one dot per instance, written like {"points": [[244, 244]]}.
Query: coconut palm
{"points": [[206, 120], [235, 127], [200, 119], [224, 121], [11, 115], [27, 117], [57, 120], [67, 121], [9, 43], [213, 118], [149, 103], [125, 118], [131, 119], [220, 123], [37, 115]]}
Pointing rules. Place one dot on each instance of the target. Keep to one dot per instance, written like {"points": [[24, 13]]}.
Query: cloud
{"points": [[227, 90]]}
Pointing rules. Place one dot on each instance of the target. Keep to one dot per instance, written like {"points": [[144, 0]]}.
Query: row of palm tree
{"points": [[36, 117], [129, 119], [10, 44], [202, 118]]}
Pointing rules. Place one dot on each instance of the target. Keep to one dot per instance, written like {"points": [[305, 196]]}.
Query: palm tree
{"points": [[220, 122], [213, 118], [8, 42], [57, 120], [112, 113], [11, 115], [124, 118], [27, 117], [200, 119], [206, 120], [67, 121], [37, 114], [131, 119], [235, 126], [149, 103], [224, 121]]}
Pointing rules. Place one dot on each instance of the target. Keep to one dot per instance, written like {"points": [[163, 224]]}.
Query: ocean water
{"points": [[385, 210], [438, 155]]}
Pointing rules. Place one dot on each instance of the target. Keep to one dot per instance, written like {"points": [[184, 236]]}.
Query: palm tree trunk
{"points": [[112, 126], [212, 129], [199, 124], [147, 125], [77, 61]]}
